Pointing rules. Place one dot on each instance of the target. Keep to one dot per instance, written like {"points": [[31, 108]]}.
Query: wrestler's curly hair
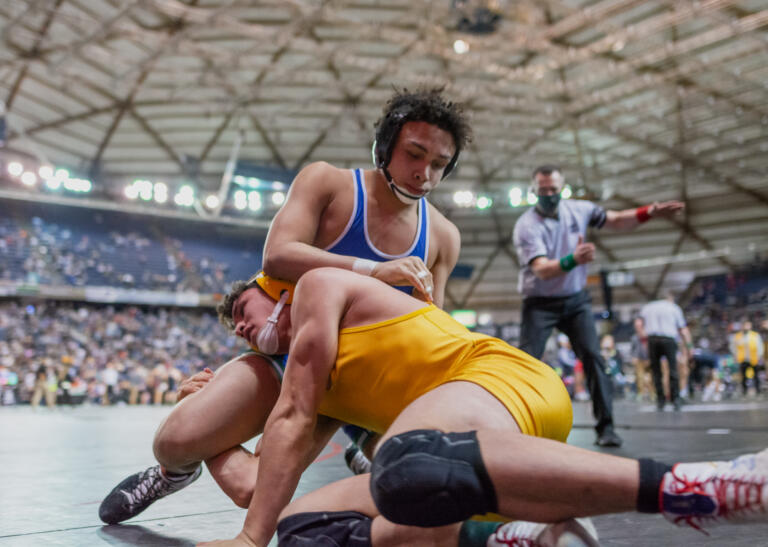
{"points": [[224, 308], [429, 105]]}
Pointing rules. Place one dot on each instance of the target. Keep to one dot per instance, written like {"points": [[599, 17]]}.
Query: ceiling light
{"points": [[28, 178], [241, 200], [463, 198], [212, 201], [460, 47], [254, 201], [45, 172], [160, 191], [53, 183], [483, 202], [15, 168]]}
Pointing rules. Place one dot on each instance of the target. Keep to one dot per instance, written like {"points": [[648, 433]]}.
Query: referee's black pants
{"points": [[658, 347], [572, 315]]}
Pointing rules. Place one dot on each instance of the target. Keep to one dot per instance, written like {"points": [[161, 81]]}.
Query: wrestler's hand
{"points": [[194, 383], [665, 209], [242, 540], [409, 270], [585, 252]]}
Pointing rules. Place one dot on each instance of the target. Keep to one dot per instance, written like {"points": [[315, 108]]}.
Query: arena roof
{"points": [[637, 100]]}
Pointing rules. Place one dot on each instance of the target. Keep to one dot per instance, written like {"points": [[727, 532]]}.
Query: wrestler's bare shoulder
{"points": [[324, 175]]}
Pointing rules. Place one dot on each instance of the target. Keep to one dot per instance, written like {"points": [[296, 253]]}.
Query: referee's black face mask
{"points": [[547, 205]]}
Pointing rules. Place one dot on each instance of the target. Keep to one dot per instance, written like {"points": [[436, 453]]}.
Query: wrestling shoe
{"points": [[608, 438], [357, 462], [139, 491], [568, 533], [712, 493]]}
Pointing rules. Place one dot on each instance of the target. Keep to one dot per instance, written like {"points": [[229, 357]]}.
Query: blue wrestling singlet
{"points": [[355, 241]]}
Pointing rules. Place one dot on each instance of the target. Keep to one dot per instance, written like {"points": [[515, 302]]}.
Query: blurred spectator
{"points": [[662, 323], [747, 350], [641, 363], [613, 364]]}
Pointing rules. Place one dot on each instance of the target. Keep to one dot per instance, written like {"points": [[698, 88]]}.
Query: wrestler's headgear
{"points": [[386, 137], [547, 205], [267, 340]]}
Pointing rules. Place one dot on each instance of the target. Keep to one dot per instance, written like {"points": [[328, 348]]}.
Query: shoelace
{"points": [[148, 487], [742, 490], [520, 534]]}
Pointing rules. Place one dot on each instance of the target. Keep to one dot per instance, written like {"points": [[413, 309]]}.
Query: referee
{"points": [[663, 323], [550, 243]]}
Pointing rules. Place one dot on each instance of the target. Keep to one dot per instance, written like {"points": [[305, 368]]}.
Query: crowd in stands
{"points": [[72, 353], [51, 245]]}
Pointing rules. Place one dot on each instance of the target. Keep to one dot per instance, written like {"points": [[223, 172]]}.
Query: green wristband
{"points": [[568, 262]]}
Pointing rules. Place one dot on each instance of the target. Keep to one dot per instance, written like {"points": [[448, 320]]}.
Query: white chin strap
{"points": [[267, 340], [404, 196]]}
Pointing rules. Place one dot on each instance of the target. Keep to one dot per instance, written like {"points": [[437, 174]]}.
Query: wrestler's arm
{"points": [[449, 244], [289, 250], [317, 309]]}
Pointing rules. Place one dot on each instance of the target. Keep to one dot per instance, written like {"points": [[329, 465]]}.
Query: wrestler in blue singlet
{"points": [[354, 240]]}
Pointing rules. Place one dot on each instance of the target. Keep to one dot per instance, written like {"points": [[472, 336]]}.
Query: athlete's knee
{"points": [[348, 528], [428, 478], [241, 495], [175, 440]]}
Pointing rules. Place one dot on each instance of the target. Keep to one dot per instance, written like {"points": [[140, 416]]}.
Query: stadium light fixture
{"points": [[185, 196], [15, 168], [160, 192], [53, 183], [28, 178], [278, 198], [515, 197], [241, 200], [45, 172], [483, 202], [460, 47], [212, 201], [463, 198], [254, 200], [78, 185]]}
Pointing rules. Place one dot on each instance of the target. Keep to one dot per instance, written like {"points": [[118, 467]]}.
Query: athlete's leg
{"points": [[541, 480], [353, 494], [211, 424]]}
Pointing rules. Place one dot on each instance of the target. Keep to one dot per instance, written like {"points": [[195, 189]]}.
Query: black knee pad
{"points": [[428, 478], [331, 529]]}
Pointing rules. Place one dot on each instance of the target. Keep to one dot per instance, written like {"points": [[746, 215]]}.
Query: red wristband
{"points": [[642, 214]]}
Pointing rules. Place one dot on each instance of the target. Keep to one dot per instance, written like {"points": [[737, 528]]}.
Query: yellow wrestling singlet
{"points": [[383, 367]]}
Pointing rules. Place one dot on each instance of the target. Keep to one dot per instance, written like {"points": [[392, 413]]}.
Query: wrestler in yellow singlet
{"points": [[383, 367]]}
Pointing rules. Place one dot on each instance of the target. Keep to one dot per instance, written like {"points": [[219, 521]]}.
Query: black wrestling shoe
{"points": [[139, 491], [357, 462], [609, 439]]}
